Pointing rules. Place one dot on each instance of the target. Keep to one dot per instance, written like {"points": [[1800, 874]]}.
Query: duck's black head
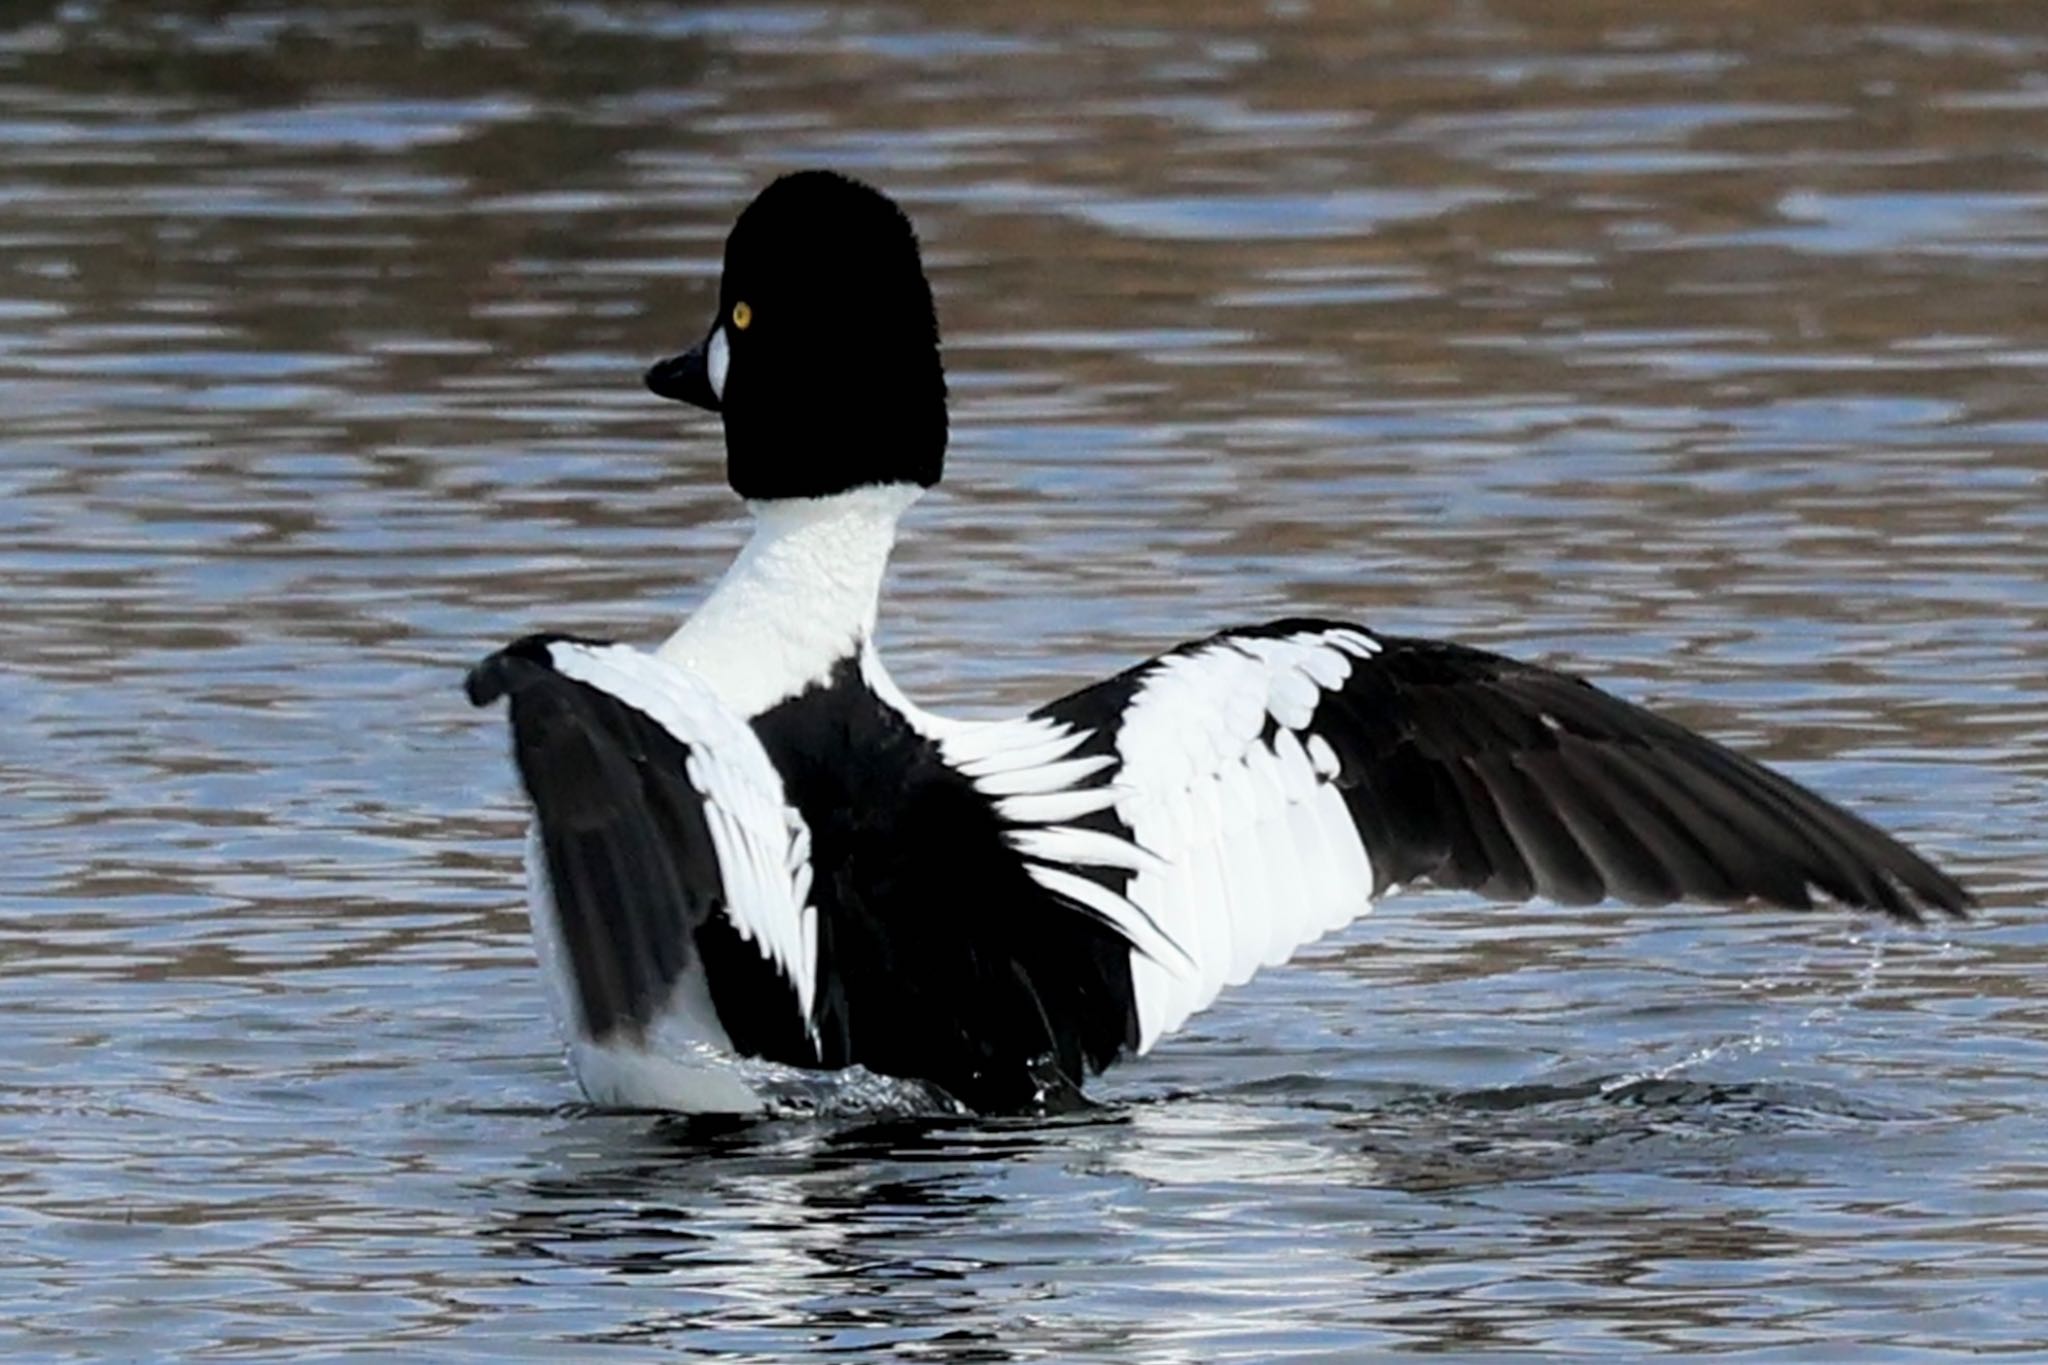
{"points": [[824, 357]]}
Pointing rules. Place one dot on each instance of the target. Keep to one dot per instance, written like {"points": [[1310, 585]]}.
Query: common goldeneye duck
{"points": [[749, 844]]}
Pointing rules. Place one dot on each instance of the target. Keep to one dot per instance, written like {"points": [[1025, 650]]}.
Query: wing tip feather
{"points": [[505, 671]]}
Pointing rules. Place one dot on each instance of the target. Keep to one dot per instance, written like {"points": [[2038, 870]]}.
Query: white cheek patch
{"points": [[716, 363]]}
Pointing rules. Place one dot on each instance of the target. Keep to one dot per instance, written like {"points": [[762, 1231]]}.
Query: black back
{"points": [[940, 958]]}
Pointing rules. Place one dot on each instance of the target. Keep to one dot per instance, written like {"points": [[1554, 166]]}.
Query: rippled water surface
{"points": [[1701, 346]]}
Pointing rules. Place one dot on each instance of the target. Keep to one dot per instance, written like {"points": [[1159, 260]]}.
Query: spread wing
{"points": [[662, 826], [1280, 778]]}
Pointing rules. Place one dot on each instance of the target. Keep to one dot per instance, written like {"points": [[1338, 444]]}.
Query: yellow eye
{"points": [[742, 315]]}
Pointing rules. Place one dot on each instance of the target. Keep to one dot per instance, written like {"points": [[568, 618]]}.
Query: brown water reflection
{"points": [[1698, 345]]}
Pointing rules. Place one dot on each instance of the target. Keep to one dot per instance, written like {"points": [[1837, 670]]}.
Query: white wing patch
{"points": [[1241, 849], [1256, 852], [763, 844]]}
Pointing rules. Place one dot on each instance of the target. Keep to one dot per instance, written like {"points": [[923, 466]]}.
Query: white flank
{"points": [[685, 1062], [676, 1076]]}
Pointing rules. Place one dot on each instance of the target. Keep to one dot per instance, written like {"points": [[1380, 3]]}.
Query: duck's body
{"points": [[750, 844]]}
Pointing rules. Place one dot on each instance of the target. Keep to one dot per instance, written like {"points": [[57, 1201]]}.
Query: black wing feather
{"points": [[630, 860], [1469, 769], [1472, 770]]}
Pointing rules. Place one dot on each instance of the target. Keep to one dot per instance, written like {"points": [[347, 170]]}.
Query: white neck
{"points": [[801, 596]]}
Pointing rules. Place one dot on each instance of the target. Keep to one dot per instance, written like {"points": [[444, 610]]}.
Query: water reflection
{"points": [[825, 1234], [922, 1235]]}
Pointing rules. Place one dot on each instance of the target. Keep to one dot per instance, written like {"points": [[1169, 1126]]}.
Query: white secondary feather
{"points": [[762, 843], [1261, 855], [1241, 848]]}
